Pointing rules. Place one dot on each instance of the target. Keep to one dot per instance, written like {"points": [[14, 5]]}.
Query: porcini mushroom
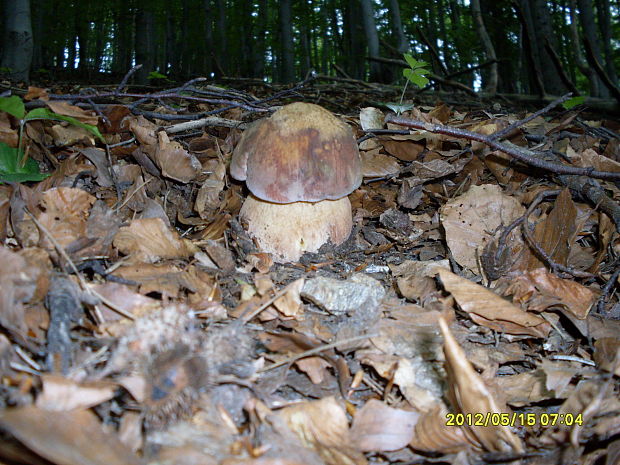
{"points": [[299, 165]]}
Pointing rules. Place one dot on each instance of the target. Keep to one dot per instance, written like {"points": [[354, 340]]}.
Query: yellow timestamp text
{"points": [[513, 419]]}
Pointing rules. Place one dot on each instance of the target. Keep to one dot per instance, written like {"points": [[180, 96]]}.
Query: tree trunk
{"points": [[604, 24], [258, 53], [353, 41], [145, 45], [490, 85], [17, 41], [222, 41], [287, 63], [586, 16], [372, 39], [402, 44]]}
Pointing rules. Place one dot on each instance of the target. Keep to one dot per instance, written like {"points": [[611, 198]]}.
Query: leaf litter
{"points": [[471, 317]]}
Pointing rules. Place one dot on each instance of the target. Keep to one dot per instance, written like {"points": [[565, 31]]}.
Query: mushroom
{"points": [[299, 165]]}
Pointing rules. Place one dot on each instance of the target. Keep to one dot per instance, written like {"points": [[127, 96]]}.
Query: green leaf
{"points": [[10, 169], [13, 105], [415, 77], [157, 75], [410, 60], [47, 114], [573, 102]]}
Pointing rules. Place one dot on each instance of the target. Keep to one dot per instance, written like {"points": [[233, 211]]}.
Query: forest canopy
{"points": [[514, 47]]}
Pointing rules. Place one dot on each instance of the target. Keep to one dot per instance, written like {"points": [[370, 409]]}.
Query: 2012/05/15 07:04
{"points": [[513, 419]]}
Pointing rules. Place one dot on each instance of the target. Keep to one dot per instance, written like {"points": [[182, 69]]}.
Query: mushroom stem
{"points": [[288, 230]]}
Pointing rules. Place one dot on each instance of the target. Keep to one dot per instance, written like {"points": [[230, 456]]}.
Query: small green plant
{"points": [[15, 166], [157, 75], [573, 102], [416, 74]]}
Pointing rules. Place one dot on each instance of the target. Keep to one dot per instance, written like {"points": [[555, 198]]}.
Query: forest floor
{"points": [[473, 315]]}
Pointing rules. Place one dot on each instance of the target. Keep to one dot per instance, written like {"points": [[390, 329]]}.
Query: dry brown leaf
{"points": [[556, 233], [65, 215], [66, 109], [8, 135], [315, 368], [403, 150], [541, 290], [67, 438], [488, 309], [63, 394], [525, 388], [66, 135], [322, 425], [471, 220], [377, 427], [471, 395], [150, 240], [376, 165], [174, 161], [432, 434], [18, 282], [371, 118]]}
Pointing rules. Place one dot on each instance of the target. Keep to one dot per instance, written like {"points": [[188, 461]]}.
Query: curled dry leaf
{"points": [[377, 427], [68, 438], [65, 215], [432, 434], [375, 164], [174, 161], [371, 118], [150, 240], [66, 109], [541, 289], [488, 309], [61, 394], [471, 219], [470, 395], [18, 281], [322, 425]]}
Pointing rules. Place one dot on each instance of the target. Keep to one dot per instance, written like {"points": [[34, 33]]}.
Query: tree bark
{"points": [[372, 39], [18, 46], [402, 44], [604, 24], [490, 85], [145, 45], [586, 17], [287, 63]]}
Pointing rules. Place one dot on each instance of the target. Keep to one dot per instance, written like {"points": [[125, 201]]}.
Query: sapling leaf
{"points": [[398, 108], [573, 102], [47, 114], [13, 105], [12, 171]]}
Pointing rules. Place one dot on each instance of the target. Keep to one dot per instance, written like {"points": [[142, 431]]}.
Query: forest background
{"points": [[513, 47]]}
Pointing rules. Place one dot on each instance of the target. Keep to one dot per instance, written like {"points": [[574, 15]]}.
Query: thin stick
{"points": [[316, 350]]}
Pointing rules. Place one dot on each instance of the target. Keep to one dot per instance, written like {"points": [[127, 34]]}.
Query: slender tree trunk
{"points": [[287, 63], [353, 41], [82, 32], [17, 41], [402, 44], [372, 39], [38, 8], [145, 45], [490, 85], [222, 41], [543, 31], [604, 24], [586, 16], [259, 51]]}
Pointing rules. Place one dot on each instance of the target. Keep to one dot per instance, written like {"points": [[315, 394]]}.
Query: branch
{"points": [[519, 153]]}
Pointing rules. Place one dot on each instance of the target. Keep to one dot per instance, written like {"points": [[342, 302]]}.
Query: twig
{"points": [[507, 130], [316, 350], [516, 152]]}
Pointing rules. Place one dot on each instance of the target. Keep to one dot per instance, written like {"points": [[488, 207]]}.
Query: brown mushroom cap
{"points": [[288, 230], [302, 153]]}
